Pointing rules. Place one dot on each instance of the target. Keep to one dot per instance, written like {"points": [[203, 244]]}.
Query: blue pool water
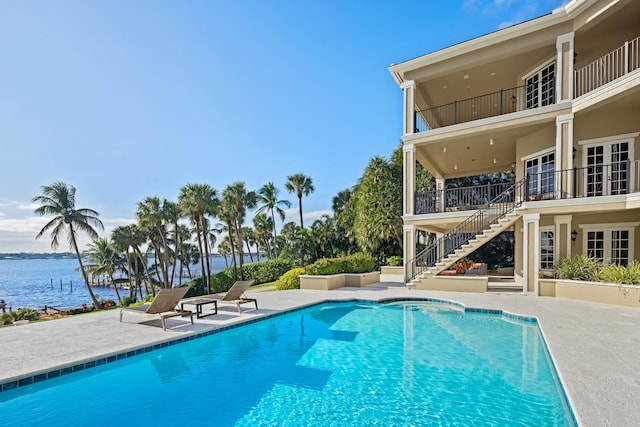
{"points": [[335, 364]]}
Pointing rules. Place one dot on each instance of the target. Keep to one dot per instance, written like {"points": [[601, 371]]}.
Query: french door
{"points": [[540, 176], [607, 169]]}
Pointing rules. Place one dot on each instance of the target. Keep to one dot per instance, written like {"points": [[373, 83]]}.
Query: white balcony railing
{"points": [[607, 68]]}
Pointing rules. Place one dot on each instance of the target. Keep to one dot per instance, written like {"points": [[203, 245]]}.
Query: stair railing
{"points": [[497, 208]]}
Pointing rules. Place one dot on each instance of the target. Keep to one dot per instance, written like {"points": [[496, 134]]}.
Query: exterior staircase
{"points": [[486, 223]]}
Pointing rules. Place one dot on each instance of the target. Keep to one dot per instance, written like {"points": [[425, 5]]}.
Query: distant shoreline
{"points": [[30, 255], [56, 255]]}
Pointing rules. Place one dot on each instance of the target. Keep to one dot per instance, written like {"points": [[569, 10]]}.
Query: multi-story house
{"points": [[555, 100]]}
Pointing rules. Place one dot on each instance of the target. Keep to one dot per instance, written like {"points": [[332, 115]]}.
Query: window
{"points": [[540, 176], [540, 87], [610, 245], [547, 255]]}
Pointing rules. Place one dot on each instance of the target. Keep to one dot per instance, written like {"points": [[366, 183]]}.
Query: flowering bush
{"points": [[462, 265]]}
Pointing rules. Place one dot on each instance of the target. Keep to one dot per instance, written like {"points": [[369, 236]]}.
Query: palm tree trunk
{"points": [[265, 241], [273, 223], [176, 253], [249, 250], [165, 256], [233, 252], [201, 250], [205, 235], [300, 208], [240, 251], [143, 260], [96, 304], [115, 288], [126, 254]]}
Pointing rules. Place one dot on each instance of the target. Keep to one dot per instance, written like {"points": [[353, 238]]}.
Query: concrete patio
{"points": [[595, 346]]}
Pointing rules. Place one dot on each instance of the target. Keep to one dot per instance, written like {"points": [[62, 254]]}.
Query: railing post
{"points": [[415, 121], [501, 100], [455, 112], [627, 59]]}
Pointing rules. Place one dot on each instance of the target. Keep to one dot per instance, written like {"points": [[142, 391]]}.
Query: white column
{"points": [[440, 247], [564, 156], [408, 180], [408, 249], [409, 120], [562, 237], [564, 67], [530, 252], [440, 182]]}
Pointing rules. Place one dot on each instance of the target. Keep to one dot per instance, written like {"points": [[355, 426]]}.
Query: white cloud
{"points": [[19, 234], [13, 204], [308, 217]]}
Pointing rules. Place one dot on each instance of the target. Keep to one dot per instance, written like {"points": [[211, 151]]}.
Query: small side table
{"points": [[199, 303]]}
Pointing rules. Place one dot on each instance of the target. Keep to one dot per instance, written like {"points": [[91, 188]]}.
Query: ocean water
{"points": [[335, 364], [35, 283]]}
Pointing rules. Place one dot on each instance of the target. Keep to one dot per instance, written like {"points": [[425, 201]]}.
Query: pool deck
{"points": [[596, 347]]}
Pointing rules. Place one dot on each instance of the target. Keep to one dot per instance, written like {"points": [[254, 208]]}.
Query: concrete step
{"points": [[504, 284]]}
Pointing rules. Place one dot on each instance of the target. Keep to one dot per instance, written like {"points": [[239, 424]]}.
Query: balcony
{"points": [[504, 101], [608, 68], [457, 199], [605, 69], [591, 181]]}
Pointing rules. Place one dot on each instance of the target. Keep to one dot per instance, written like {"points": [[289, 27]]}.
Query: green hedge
{"points": [[290, 279], [264, 271], [356, 263], [261, 272]]}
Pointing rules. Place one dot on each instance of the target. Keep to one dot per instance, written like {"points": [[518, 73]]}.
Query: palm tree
{"points": [[59, 199], [237, 200], [301, 185], [262, 233], [182, 235], [249, 241], [228, 216], [105, 260], [340, 201], [152, 218], [268, 196], [224, 249], [197, 201], [171, 213], [130, 236]]}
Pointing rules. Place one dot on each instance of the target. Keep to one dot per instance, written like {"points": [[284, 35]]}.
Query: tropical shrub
{"points": [[356, 263], [221, 282], [195, 287], [326, 266], [6, 319], [84, 308], [394, 261], [127, 301], [265, 271], [19, 314], [579, 268], [107, 303], [621, 275], [360, 263], [290, 279]]}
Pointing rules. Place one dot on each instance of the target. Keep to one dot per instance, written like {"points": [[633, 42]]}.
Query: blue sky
{"points": [[128, 99]]}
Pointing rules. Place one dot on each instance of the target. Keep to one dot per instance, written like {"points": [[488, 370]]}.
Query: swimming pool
{"points": [[411, 363]]}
